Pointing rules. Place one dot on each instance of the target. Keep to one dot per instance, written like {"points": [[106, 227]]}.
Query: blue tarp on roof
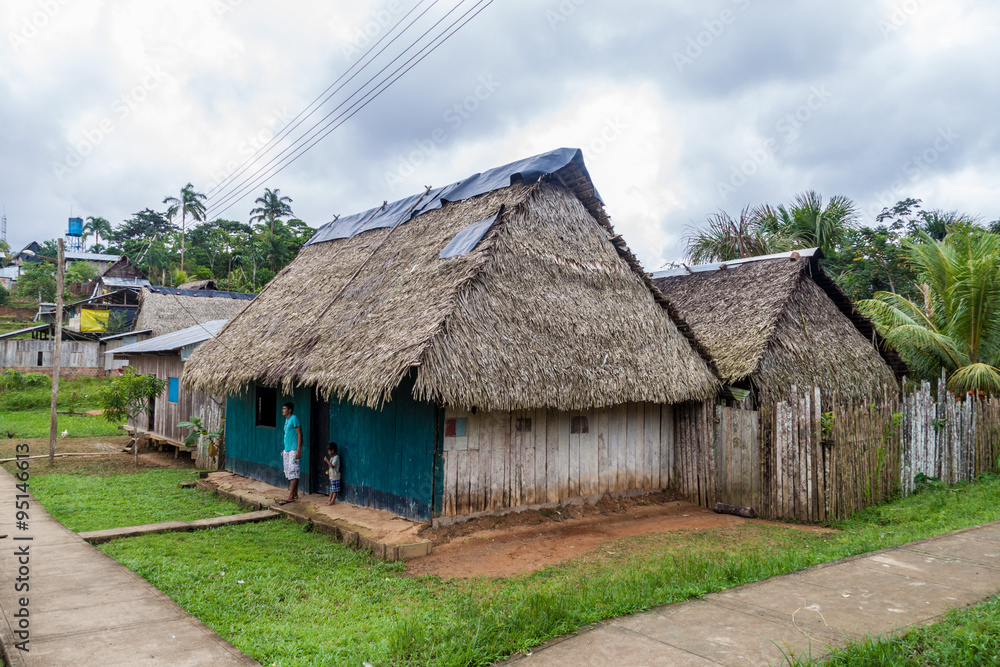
{"points": [[529, 169], [207, 293]]}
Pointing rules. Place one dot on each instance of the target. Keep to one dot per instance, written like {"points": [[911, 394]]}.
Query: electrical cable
{"points": [[320, 99], [240, 189], [425, 51]]}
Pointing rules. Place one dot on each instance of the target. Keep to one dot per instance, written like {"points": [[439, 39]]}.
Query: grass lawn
{"points": [[35, 424], [85, 502], [291, 597], [25, 412], [968, 637]]}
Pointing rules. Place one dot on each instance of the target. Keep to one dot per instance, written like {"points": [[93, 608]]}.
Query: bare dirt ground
{"points": [[514, 544]]}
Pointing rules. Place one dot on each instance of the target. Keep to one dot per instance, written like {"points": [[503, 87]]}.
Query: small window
{"points": [[579, 425], [267, 406], [40, 360], [523, 424], [455, 428], [173, 389]]}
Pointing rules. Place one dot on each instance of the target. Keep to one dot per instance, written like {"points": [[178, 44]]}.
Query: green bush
{"points": [[12, 380]]}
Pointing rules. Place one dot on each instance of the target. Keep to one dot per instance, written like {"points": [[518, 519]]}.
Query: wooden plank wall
{"points": [[737, 441], [189, 402], [504, 461], [74, 354]]}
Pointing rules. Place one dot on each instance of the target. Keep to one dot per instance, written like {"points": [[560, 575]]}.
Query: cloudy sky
{"points": [[682, 108]]}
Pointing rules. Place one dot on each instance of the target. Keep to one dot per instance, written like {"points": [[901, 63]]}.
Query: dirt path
{"points": [[536, 541]]}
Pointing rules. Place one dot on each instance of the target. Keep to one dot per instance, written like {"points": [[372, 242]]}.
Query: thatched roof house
{"points": [[548, 309], [166, 309], [774, 321], [489, 344]]}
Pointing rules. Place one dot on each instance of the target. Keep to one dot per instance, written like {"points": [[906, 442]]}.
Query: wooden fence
{"points": [[949, 439], [822, 458]]}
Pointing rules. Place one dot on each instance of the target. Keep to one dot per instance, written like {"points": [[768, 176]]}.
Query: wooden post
{"points": [[56, 360]]}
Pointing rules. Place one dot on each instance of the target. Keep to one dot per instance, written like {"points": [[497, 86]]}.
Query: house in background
{"points": [[164, 356], [166, 309], [790, 348], [775, 321], [487, 345]]}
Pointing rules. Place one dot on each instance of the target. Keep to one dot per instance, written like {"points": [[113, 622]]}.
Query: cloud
{"points": [[160, 93]]}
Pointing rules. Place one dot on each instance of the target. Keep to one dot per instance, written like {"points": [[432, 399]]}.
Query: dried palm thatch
{"points": [[782, 321], [164, 310], [544, 312], [199, 284]]}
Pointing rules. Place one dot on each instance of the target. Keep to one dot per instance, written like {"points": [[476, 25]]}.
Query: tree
{"points": [[272, 206], [725, 238], [125, 397], [956, 325], [807, 220], [38, 279], [873, 259], [935, 223], [80, 272], [190, 203], [99, 227]]}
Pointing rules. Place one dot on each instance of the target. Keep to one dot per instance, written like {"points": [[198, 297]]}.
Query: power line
{"points": [[239, 189], [320, 99], [255, 179]]}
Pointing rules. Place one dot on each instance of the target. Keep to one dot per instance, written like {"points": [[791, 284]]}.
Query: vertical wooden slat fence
{"points": [[952, 439], [822, 458]]}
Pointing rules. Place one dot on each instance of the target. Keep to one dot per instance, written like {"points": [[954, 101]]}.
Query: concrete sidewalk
{"points": [[797, 614], [85, 608]]}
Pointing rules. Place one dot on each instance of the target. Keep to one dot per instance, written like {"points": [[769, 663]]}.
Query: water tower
{"points": [[74, 235]]}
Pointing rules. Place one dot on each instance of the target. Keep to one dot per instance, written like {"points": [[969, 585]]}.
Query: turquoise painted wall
{"points": [[387, 455], [255, 451]]}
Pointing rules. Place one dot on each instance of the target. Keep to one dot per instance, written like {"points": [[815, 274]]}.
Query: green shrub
{"points": [[12, 380]]}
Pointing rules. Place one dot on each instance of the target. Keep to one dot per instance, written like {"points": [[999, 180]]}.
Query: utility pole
{"points": [[56, 359]]}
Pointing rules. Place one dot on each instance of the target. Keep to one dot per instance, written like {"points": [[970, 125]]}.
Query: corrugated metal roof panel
{"points": [[174, 340]]}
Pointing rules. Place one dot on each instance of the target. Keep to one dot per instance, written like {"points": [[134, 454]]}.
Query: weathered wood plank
{"points": [[666, 446], [605, 473], [589, 481], [651, 446]]}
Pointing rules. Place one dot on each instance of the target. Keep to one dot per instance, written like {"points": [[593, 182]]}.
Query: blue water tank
{"points": [[75, 227]]}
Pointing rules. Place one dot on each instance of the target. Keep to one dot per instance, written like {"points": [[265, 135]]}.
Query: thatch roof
{"points": [[779, 321], [548, 310], [199, 284], [166, 309]]}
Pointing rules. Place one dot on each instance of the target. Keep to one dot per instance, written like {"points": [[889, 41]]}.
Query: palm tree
{"points": [[726, 238], [957, 326], [97, 226], [808, 220], [272, 206], [190, 203]]}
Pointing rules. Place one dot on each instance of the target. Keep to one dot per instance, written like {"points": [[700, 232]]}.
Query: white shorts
{"points": [[291, 465]]}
